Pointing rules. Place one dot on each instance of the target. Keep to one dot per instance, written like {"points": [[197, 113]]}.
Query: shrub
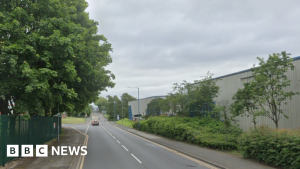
{"points": [[279, 147], [207, 132]]}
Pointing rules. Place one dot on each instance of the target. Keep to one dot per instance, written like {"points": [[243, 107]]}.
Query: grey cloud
{"points": [[157, 43]]}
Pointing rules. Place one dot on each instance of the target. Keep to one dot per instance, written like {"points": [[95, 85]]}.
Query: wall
{"points": [[231, 83]]}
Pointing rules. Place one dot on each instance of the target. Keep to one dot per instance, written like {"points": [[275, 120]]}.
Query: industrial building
{"points": [[229, 85], [133, 106]]}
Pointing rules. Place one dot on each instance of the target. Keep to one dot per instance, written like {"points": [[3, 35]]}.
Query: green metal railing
{"points": [[33, 131]]}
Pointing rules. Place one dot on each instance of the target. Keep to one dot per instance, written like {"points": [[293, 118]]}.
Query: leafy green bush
{"points": [[207, 132], [279, 147]]}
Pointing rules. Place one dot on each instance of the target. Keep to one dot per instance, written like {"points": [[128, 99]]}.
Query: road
{"points": [[110, 147]]}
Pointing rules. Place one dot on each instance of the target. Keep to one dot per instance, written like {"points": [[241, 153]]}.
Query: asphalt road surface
{"points": [[110, 147]]}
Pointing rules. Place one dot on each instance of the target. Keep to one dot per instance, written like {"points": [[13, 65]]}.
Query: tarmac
{"points": [[219, 159], [74, 137]]}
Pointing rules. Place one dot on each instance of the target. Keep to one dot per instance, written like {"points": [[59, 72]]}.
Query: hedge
{"points": [[279, 147], [207, 132]]}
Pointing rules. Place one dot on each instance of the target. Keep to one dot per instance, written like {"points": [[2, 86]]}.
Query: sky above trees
{"points": [[158, 43]]}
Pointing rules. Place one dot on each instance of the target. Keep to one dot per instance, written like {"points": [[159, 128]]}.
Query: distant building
{"points": [[133, 106], [229, 84]]}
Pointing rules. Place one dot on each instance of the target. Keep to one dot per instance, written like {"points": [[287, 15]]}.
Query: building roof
{"points": [[243, 71], [147, 98]]}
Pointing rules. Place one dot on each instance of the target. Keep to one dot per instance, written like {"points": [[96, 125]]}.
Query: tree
{"points": [[153, 108], [126, 98], [271, 84], [224, 108], [102, 103], [50, 57], [245, 102]]}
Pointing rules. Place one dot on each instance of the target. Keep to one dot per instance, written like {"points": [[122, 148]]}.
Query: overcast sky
{"points": [[157, 43]]}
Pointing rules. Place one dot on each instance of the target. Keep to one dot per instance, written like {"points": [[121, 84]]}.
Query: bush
{"points": [[207, 132], [279, 147]]}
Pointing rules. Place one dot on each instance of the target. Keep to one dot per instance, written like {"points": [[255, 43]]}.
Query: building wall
{"points": [[143, 105], [229, 84]]}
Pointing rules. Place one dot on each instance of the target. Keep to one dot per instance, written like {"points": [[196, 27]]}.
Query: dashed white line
{"points": [[136, 159], [125, 148], [87, 129], [118, 141], [113, 137]]}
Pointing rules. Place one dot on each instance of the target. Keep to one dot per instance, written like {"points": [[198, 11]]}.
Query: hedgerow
{"points": [[279, 147], [207, 132]]}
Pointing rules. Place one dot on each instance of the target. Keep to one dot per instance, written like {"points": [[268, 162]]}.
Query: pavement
{"points": [[111, 145], [72, 137], [216, 158]]}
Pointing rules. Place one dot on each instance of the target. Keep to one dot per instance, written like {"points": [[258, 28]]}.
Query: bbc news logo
{"points": [[42, 150]]}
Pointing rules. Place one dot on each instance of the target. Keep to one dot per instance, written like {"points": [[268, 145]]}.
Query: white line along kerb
{"points": [[125, 148], [136, 159]]}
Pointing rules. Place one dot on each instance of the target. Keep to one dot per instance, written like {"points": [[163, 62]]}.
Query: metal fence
{"points": [[33, 131]]}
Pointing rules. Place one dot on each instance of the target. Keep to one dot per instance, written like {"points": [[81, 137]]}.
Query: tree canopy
{"points": [[50, 56]]}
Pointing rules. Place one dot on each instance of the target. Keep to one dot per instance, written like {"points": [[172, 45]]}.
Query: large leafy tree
{"points": [[246, 103], [271, 85], [154, 108], [102, 103], [50, 57], [125, 98]]}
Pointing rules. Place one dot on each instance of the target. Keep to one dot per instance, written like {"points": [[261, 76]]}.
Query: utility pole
{"points": [[114, 110], [122, 111]]}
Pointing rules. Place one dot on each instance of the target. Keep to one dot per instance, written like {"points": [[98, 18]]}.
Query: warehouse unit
{"points": [[229, 84], [133, 106]]}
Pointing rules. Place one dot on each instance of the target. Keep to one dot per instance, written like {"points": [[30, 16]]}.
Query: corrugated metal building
{"points": [[133, 106], [229, 84]]}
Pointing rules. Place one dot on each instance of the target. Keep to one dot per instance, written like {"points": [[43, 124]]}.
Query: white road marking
{"points": [[125, 148], [136, 159], [118, 141], [113, 137], [87, 129]]}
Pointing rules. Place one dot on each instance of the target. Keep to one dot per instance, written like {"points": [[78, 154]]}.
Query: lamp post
{"points": [[58, 124], [138, 103], [122, 111], [114, 110]]}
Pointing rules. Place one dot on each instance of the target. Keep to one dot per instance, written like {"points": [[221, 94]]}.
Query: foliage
{"points": [[50, 56], [153, 108], [192, 99], [270, 80], [115, 105], [126, 98], [102, 103], [279, 147], [207, 132], [245, 102], [126, 122]]}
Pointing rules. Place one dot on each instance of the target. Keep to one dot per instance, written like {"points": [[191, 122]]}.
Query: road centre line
{"points": [[113, 137], [87, 129], [171, 150], [136, 159], [125, 148], [118, 141]]}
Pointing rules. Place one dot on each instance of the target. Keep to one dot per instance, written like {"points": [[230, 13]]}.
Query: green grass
{"points": [[106, 116], [126, 122], [72, 120]]}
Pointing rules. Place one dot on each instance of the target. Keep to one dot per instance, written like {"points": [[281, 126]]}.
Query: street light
{"points": [[115, 111], [122, 111], [138, 103]]}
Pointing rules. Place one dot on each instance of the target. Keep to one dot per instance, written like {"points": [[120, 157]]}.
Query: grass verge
{"points": [[126, 122], [106, 116], [72, 120]]}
